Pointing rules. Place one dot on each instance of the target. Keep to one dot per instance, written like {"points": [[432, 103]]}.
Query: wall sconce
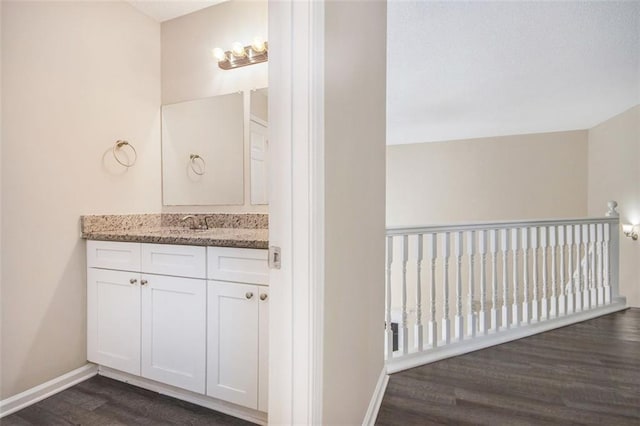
{"points": [[630, 231], [241, 56]]}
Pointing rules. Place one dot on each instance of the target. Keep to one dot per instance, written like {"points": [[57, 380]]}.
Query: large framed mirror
{"points": [[203, 151], [259, 142]]}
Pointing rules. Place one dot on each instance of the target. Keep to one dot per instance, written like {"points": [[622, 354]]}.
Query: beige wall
{"points": [[614, 174], [190, 72], [77, 76], [502, 178], [355, 109]]}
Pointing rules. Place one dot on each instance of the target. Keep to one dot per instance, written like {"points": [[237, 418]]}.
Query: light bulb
{"points": [[627, 229], [219, 54], [258, 45], [238, 50]]}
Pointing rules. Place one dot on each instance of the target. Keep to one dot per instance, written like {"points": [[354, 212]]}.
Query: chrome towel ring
{"points": [[198, 167], [118, 145]]}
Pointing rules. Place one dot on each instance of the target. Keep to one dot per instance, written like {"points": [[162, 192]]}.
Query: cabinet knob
{"points": [[263, 296], [248, 295], [133, 281], [143, 282]]}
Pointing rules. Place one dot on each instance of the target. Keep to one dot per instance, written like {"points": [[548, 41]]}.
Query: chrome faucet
{"points": [[193, 221]]}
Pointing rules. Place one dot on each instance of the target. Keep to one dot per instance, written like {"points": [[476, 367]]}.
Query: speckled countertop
{"points": [[225, 230]]}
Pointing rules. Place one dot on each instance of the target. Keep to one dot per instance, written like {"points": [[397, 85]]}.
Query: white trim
{"points": [[454, 349], [376, 399], [47, 389], [296, 215], [185, 395], [317, 192]]}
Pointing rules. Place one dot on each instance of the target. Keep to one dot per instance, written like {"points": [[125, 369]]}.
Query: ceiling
{"points": [[163, 10], [459, 70]]}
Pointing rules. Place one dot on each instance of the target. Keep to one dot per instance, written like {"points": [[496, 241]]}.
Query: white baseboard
{"points": [[376, 399], [459, 348], [47, 389], [247, 414]]}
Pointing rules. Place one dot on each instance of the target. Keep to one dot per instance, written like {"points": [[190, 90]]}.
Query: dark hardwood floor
{"points": [[102, 401], [586, 373]]}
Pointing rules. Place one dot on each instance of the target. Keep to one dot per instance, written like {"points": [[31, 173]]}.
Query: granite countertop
{"points": [[231, 230]]}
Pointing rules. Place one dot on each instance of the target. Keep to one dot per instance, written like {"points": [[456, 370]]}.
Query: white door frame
{"points": [[296, 211]]}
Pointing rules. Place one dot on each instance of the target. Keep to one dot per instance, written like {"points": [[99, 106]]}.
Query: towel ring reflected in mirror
{"points": [[197, 164], [118, 146]]}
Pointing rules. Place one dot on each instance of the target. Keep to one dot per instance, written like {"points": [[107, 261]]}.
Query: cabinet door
{"points": [[113, 319], [263, 350], [232, 356], [173, 331]]}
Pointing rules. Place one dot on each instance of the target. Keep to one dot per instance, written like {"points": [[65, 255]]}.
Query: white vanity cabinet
{"points": [[144, 323], [191, 317], [237, 327]]}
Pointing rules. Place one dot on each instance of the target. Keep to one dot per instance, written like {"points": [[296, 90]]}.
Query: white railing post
{"points": [[577, 277], [585, 268], [471, 319], [419, 332], [504, 237], [544, 305], [433, 324], [571, 307], [482, 249], [535, 307], [459, 321], [600, 273], [613, 254], [389, 330], [593, 292], [446, 326], [493, 241], [403, 331], [525, 276], [515, 308], [553, 242], [562, 298]]}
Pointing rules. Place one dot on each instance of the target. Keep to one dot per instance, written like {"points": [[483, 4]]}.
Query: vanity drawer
{"points": [[238, 264], [113, 255], [181, 261]]}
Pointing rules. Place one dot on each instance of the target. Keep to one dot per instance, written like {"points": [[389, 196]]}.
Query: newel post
{"points": [[614, 249]]}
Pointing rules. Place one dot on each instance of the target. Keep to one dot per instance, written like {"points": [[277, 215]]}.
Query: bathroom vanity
{"points": [[180, 311]]}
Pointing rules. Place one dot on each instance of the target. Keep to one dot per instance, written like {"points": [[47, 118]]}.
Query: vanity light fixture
{"points": [[241, 56], [630, 231]]}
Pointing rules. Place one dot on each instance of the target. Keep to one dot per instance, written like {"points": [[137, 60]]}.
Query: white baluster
{"points": [[418, 328], [607, 273], [446, 326], [403, 331], [504, 237], [525, 276], [515, 308], [535, 307], [389, 333], [577, 277], [544, 303], [432, 243], [493, 242], [600, 274], [553, 243], [459, 320], [571, 307], [471, 318], [482, 249], [593, 292], [562, 298], [585, 275]]}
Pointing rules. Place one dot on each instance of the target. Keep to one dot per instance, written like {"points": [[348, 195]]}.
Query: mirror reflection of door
{"points": [[259, 161]]}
